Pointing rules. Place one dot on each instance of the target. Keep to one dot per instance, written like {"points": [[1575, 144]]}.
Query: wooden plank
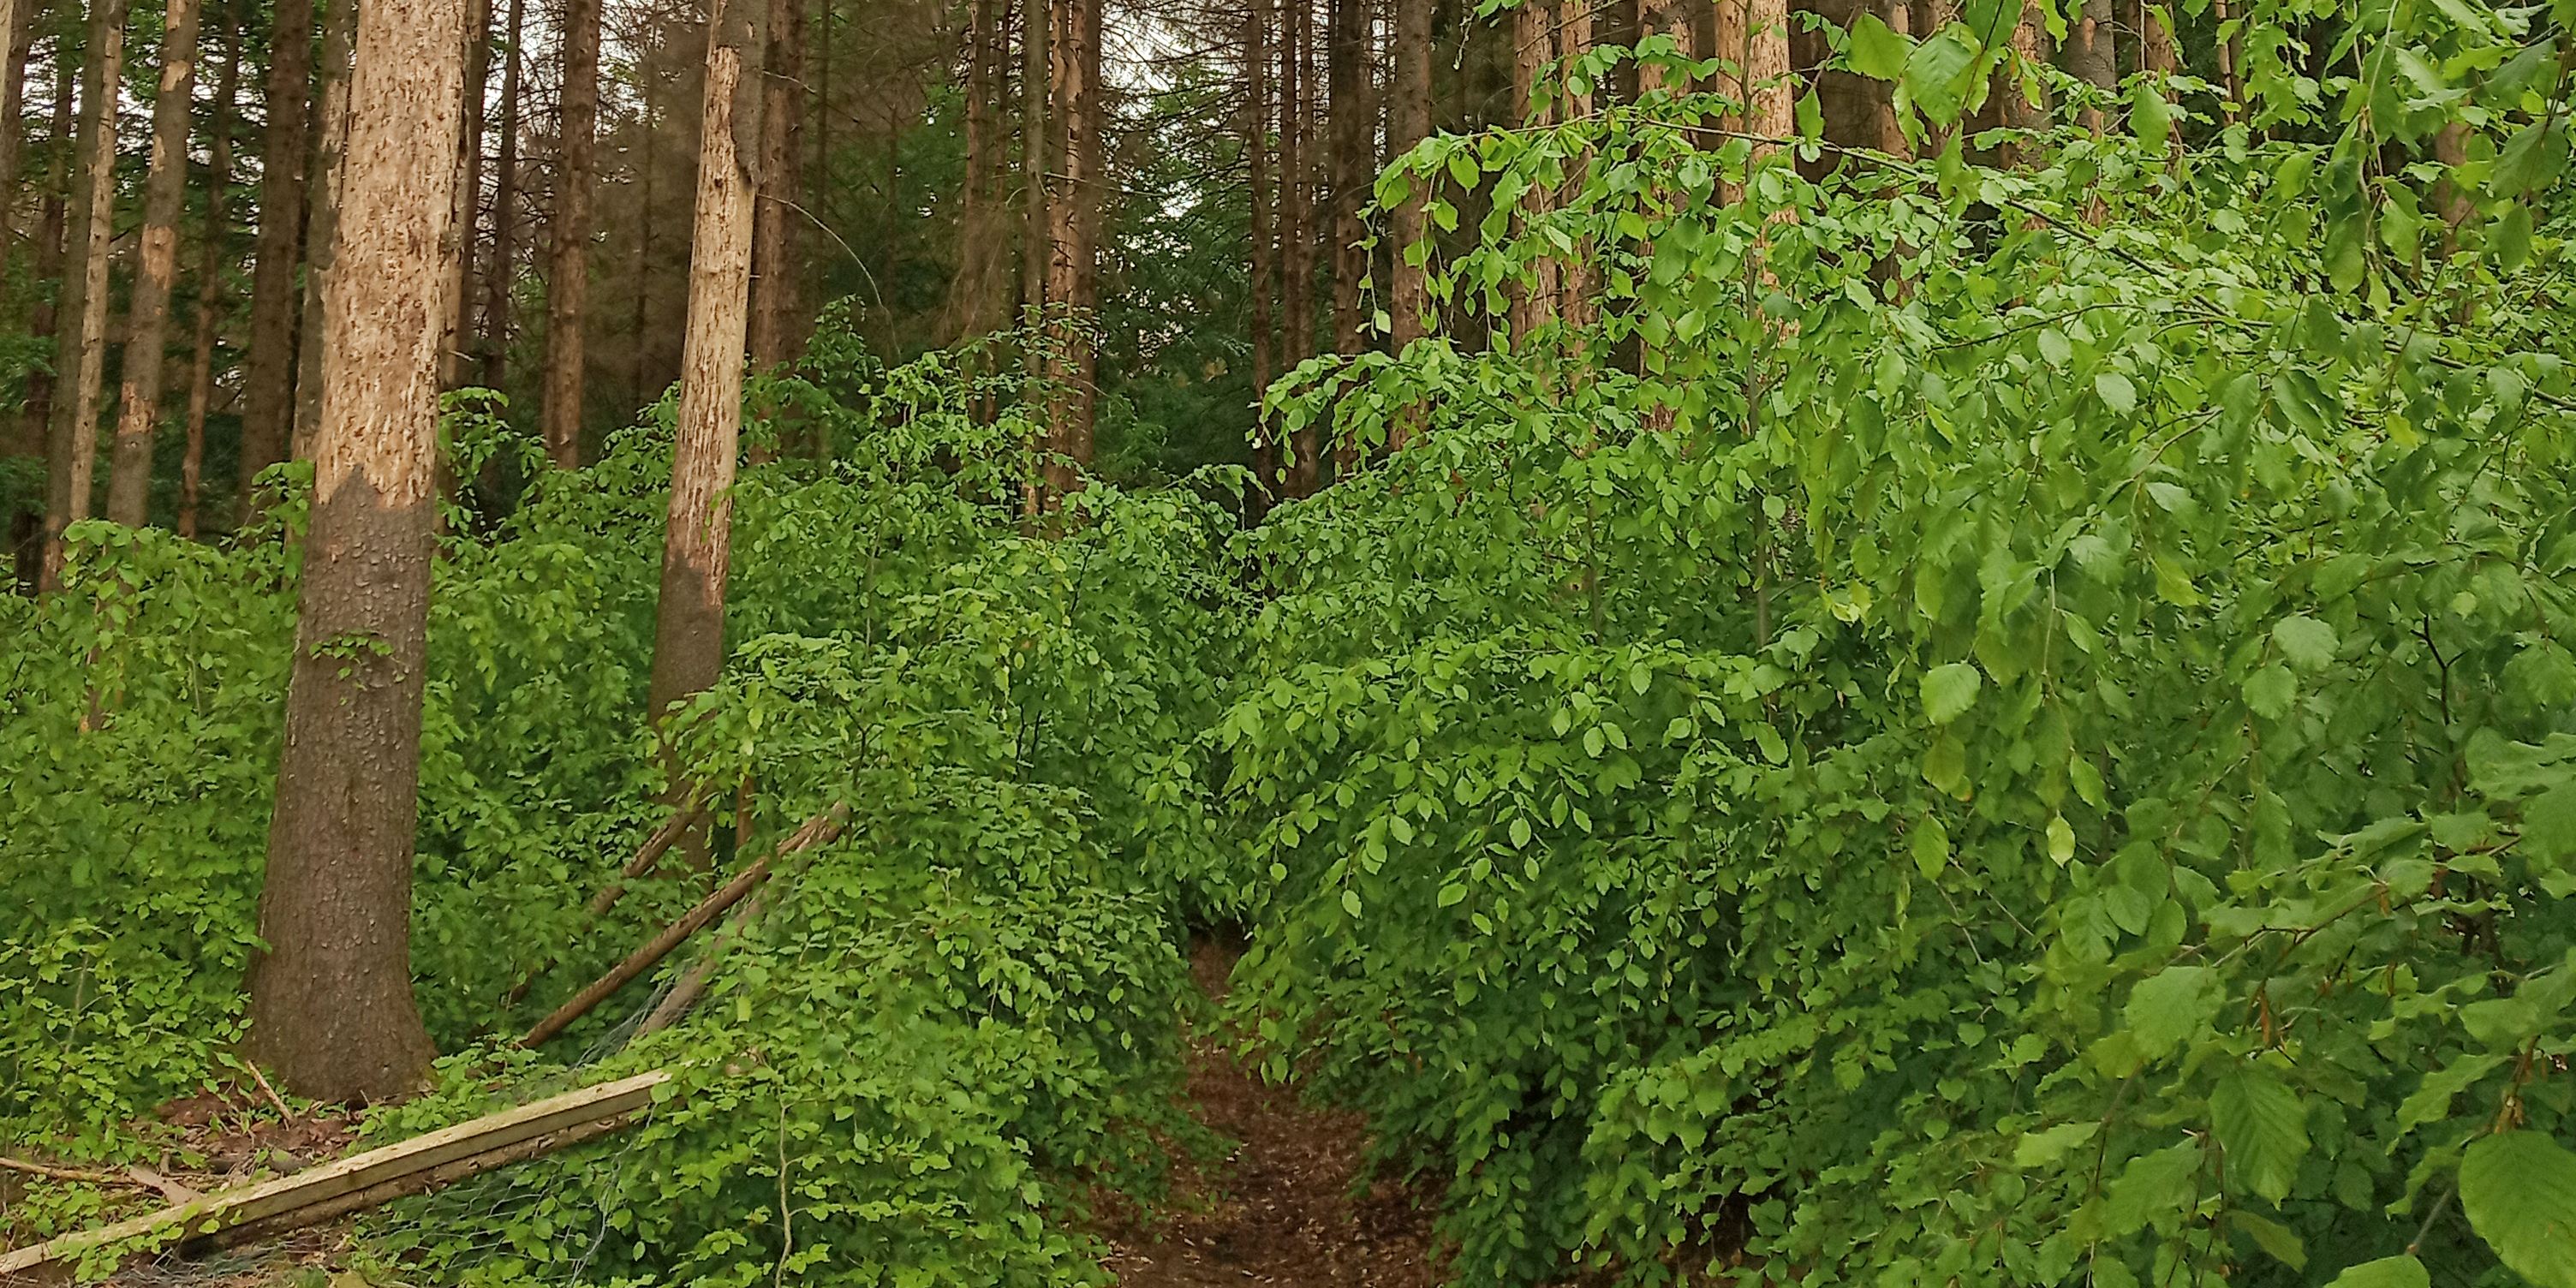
{"points": [[242, 1205]]}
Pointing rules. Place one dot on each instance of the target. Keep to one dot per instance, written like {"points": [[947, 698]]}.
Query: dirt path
{"points": [[1279, 1210]]}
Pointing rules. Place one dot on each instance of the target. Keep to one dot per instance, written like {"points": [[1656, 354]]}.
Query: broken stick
{"points": [[363, 1180], [654, 847], [817, 830]]}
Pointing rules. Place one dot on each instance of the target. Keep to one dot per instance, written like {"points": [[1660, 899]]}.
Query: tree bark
{"points": [[1073, 221], [210, 265], [1354, 165], [17, 36], [568, 280], [81, 350], [775, 270], [2092, 56], [331, 1007], [1408, 124], [2156, 51], [975, 293], [322, 218], [1264, 258], [499, 279], [138, 418], [268, 386], [1037, 133], [1297, 171], [1533, 44], [688, 631], [469, 193]]}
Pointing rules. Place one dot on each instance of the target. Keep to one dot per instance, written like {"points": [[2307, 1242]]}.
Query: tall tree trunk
{"points": [[688, 630], [647, 154], [2092, 56], [81, 350], [1408, 124], [1533, 44], [210, 272], [138, 418], [469, 193], [975, 293], [776, 271], [1073, 212], [1264, 266], [44, 321], [17, 37], [1753, 42], [322, 216], [28, 435], [1575, 284], [568, 277], [268, 386], [2156, 51], [501, 277], [1298, 159], [331, 1005], [1037, 134], [1354, 171]]}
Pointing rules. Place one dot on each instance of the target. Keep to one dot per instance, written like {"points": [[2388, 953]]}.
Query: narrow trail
{"points": [[1280, 1208]]}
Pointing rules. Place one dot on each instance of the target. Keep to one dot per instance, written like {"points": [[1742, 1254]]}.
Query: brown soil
{"points": [[1280, 1208]]}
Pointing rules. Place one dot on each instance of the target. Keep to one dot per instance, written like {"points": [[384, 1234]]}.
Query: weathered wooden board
{"points": [[423, 1162]]}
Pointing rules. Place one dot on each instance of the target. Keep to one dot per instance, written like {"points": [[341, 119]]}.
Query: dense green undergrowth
{"points": [[1972, 724]]}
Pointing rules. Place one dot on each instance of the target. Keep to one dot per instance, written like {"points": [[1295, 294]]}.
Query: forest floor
{"points": [[1282, 1206]]}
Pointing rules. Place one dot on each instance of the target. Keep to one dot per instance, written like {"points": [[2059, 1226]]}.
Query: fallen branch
{"points": [[250, 1212], [655, 846], [75, 1175], [817, 830]]}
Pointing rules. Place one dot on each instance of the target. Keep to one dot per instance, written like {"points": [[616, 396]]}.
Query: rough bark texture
{"points": [[1298, 157], [138, 417], [978, 295], [1264, 257], [322, 216], [268, 386], [81, 348], [688, 629], [27, 527], [776, 269], [2156, 51], [2092, 56], [501, 275], [1408, 124], [1354, 165], [1073, 229], [455, 355], [1037, 134], [331, 1006], [16, 36], [210, 262], [568, 278], [1533, 36], [1575, 281]]}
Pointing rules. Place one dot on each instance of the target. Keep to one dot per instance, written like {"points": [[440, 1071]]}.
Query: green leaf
{"points": [[1940, 75], [2387, 1272], [2431, 1101], [1876, 50], [1931, 847], [2041, 1148], [2161, 1182], [2271, 691], [2309, 644], [2149, 114], [2172, 1006], [2272, 1237], [2549, 824], [1351, 902], [2264, 1129], [2518, 1189], [2061, 840], [2116, 392], [1948, 691]]}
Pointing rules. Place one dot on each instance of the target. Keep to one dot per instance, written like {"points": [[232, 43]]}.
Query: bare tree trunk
{"points": [[1575, 284], [82, 350], [646, 156], [138, 418], [2092, 56], [776, 271], [501, 278], [1037, 133], [975, 294], [1073, 208], [1264, 266], [688, 634], [322, 218], [27, 434], [469, 192], [2156, 51], [331, 1005], [568, 280], [1354, 171], [210, 264], [44, 321], [1533, 44], [268, 387], [1297, 168], [17, 36], [1408, 124]]}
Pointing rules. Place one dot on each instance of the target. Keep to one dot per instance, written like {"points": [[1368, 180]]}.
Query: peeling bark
{"points": [[331, 1006]]}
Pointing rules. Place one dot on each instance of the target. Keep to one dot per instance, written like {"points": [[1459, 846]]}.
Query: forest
{"points": [[1528, 644]]}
